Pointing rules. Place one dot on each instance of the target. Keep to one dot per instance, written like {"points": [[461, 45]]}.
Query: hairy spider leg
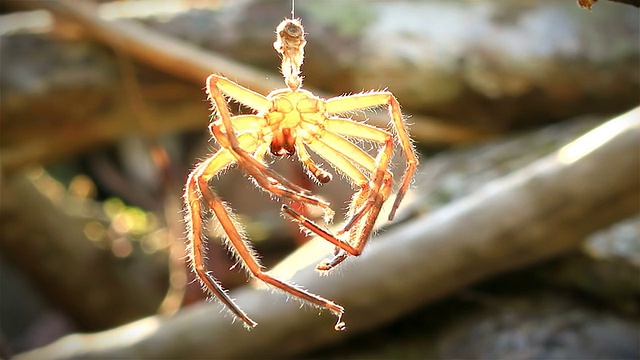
{"points": [[342, 154], [364, 200], [343, 249], [198, 183], [198, 180], [356, 102], [337, 148]]}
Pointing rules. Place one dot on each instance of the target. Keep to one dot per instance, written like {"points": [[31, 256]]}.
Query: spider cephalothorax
{"points": [[292, 121]]}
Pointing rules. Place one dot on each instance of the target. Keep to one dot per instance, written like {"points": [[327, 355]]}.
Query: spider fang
{"points": [[283, 143]]}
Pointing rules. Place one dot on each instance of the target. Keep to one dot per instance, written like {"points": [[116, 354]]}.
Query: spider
{"points": [[291, 121]]}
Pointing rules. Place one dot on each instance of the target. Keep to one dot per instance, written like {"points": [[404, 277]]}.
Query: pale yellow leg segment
{"points": [[338, 160], [244, 123], [377, 167], [248, 97], [346, 104]]}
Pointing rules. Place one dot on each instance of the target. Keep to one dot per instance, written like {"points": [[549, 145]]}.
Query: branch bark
{"points": [[538, 212]]}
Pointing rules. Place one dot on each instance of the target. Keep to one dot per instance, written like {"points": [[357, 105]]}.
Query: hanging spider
{"points": [[292, 121]]}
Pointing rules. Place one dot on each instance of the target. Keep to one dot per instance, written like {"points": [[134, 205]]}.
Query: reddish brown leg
{"points": [[367, 202], [380, 175], [249, 259], [341, 153], [358, 237], [195, 226], [361, 233]]}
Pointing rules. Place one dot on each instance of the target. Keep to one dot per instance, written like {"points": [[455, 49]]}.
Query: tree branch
{"points": [[538, 212]]}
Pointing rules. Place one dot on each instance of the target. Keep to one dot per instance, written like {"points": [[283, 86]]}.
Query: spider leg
{"points": [[362, 231], [336, 154], [316, 229], [342, 154], [372, 99], [378, 167], [244, 123], [343, 249], [246, 255], [365, 207], [198, 185], [197, 182], [342, 157], [240, 93], [339, 161]]}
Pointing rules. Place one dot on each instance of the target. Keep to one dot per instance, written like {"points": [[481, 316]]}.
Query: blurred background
{"points": [[100, 123]]}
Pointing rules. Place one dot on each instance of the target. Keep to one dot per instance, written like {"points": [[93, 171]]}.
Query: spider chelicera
{"points": [[292, 121]]}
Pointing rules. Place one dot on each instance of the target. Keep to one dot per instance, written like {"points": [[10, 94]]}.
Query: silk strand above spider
{"points": [[293, 121]]}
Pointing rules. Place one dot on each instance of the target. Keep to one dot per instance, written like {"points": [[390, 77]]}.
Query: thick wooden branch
{"points": [[538, 212]]}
